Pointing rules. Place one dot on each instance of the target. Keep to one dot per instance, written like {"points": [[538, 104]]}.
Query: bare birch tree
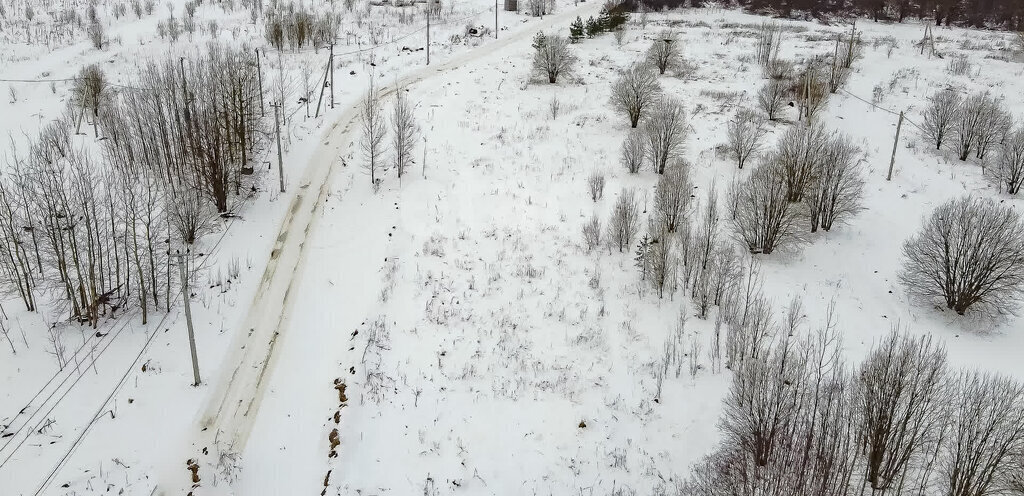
{"points": [[371, 117], [404, 130]]}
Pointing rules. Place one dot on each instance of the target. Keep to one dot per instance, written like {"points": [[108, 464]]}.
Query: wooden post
{"points": [[259, 73], [188, 319], [277, 129], [495, 19], [428, 31], [332, 75], [895, 144]]}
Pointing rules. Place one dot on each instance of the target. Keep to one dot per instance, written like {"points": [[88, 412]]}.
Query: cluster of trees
{"points": [[552, 57], [800, 421], [974, 125], [977, 126], [813, 176], [968, 255], [811, 85], [611, 18], [297, 28], [96, 233]]}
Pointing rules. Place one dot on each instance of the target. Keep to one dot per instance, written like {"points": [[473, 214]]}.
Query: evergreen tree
{"points": [[576, 30], [539, 40], [593, 28]]}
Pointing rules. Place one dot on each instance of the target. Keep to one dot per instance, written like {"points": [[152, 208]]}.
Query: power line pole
{"points": [[323, 84], [332, 75], [277, 129], [895, 144], [188, 319], [429, 6], [495, 19], [259, 73]]}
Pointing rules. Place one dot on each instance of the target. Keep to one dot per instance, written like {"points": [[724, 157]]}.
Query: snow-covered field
{"points": [[484, 350]]}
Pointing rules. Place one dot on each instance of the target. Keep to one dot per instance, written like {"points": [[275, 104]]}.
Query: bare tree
{"points": [[765, 218], [661, 262], [187, 215], [552, 57], [592, 232], [900, 401], [969, 253], [595, 183], [987, 435], [941, 116], [812, 89], [404, 129], [634, 149], [801, 152], [664, 52], [993, 130], [625, 221], [772, 97], [374, 131], [91, 92], [635, 91], [972, 121], [665, 132], [672, 196], [745, 134], [1009, 169], [837, 184]]}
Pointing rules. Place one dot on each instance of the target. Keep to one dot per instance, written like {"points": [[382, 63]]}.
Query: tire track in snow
{"points": [[233, 405]]}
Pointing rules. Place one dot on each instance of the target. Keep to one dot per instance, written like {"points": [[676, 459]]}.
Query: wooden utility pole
{"points": [[259, 74], [895, 144], [332, 75], [428, 31], [323, 85], [277, 129], [495, 19], [188, 319]]}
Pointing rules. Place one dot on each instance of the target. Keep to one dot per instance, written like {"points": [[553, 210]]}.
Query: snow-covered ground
{"points": [[483, 349]]}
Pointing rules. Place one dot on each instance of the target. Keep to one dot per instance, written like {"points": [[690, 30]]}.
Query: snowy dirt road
{"points": [[230, 417]]}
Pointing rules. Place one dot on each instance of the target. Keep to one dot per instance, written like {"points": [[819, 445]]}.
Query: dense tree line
{"points": [[1008, 14], [94, 232]]}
